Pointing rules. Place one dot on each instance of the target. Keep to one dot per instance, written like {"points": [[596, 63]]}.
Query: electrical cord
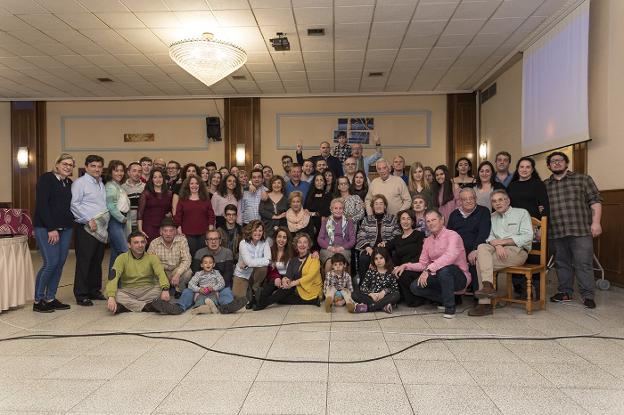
{"points": [[432, 337]]}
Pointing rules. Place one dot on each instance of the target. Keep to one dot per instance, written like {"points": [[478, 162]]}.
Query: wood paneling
{"points": [[461, 128], [28, 129], [609, 246], [242, 126], [579, 158]]}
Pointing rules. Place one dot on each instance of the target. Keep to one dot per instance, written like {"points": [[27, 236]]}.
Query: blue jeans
{"points": [[441, 287], [54, 257], [575, 255], [117, 239], [186, 299]]}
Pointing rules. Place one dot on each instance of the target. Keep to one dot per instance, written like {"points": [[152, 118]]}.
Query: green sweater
{"points": [[134, 272]]}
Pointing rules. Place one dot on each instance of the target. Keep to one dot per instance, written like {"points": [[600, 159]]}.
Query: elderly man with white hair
{"points": [[392, 187]]}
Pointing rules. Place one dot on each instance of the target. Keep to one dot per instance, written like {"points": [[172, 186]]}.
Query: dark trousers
{"points": [[273, 295], [441, 287], [405, 282], [574, 256], [359, 297], [195, 242], [363, 264], [89, 256]]}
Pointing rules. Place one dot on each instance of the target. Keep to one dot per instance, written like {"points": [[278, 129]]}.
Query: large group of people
{"points": [[324, 231]]}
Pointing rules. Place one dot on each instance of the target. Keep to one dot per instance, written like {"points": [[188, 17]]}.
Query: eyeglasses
{"points": [[67, 164], [349, 164], [554, 161]]}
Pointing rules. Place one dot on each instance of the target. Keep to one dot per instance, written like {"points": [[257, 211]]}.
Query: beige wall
{"points": [[396, 141], [5, 154], [83, 128], [606, 92], [501, 115]]}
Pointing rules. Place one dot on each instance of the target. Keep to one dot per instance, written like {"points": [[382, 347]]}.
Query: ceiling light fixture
{"points": [[207, 58]]}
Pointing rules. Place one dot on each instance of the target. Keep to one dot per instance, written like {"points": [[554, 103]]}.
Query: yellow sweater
{"points": [[310, 283]]}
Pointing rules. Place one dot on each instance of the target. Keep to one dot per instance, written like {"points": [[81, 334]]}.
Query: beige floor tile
{"points": [[481, 350], [286, 398], [293, 372], [127, 396], [598, 351], [574, 375], [505, 373], [542, 352], [31, 367], [91, 367], [433, 350], [205, 398], [154, 365], [380, 371], [598, 401], [48, 394], [225, 368], [353, 350], [516, 400], [449, 400], [363, 398], [431, 372]]}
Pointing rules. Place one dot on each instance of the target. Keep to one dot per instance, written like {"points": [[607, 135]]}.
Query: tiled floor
{"points": [[119, 375]]}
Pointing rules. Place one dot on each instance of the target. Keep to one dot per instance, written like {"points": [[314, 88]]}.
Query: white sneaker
{"points": [[449, 316]]}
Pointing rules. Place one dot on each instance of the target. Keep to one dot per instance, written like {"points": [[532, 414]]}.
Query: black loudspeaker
{"points": [[213, 128]]}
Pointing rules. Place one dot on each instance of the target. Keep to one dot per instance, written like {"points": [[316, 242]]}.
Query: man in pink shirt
{"points": [[443, 267]]}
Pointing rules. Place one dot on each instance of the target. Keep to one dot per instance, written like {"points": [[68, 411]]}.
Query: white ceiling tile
{"points": [[348, 73], [413, 53], [531, 24], [121, 20], [433, 11], [228, 4], [350, 43], [445, 52], [467, 27], [314, 75], [269, 4], [10, 23], [197, 22], [396, 88], [31, 36], [394, 12], [144, 40], [168, 36], [235, 18], [72, 60], [186, 5], [320, 66], [103, 6], [271, 86], [502, 26], [22, 6], [45, 22], [289, 66], [313, 16], [437, 65], [322, 85], [349, 55], [318, 56], [145, 5], [453, 40], [159, 19], [381, 55], [517, 8], [477, 9], [425, 41], [353, 14], [426, 27], [550, 7], [265, 76], [382, 42], [293, 76], [82, 20], [487, 39], [111, 41], [54, 48], [103, 60], [260, 67], [275, 17], [311, 43], [351, 30], [133, 59], [389, 29]]}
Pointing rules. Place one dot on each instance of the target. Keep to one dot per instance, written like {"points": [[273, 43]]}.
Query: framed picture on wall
{"points": [[360, 137]]}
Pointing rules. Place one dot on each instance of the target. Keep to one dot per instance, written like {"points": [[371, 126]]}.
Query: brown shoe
{"points": [[488, 290], [480, 310]]}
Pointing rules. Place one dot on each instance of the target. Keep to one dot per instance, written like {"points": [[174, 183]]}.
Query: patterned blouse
{"points": [[374, 282], [354, 209]]}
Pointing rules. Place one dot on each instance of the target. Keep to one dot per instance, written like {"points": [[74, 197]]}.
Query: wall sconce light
{"points": [[22, 157], [240, 154], [483, 150]]}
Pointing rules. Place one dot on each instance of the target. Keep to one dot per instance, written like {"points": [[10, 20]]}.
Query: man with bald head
{"points": [[333, 163], [392, 187]]}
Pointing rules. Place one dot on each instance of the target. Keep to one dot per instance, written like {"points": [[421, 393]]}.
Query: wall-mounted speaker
{"points": [[213, 128]]}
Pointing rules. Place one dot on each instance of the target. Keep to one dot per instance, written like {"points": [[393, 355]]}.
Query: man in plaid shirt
{"points": [[575, 211]]}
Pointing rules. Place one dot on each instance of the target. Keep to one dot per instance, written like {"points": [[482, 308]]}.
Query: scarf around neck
{"points": [[297, 221], [330, 226]]}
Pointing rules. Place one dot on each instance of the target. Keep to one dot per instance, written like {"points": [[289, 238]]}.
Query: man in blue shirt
{"points": [[502, 162], [333, 163], [295, 183], [88, 204]]}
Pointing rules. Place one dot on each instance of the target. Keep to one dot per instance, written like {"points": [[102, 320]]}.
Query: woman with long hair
{"points": [[359, 186], [463, 173], [214, 180], [204, 173], [486, 184], [154, 205], [417, 185], [317, 203], [428, 174], [229, 193], [353, 205], [189, 169], [53, 222], [273, 209], [527, 190], [118, 205], [445, 194], [330, 179], [194, 215], [281, 252]]}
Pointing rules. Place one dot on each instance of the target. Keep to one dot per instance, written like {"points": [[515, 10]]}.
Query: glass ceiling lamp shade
{"points": [[206, 58]]}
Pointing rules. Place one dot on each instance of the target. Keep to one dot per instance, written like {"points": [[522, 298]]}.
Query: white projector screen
{"points": [[554, 86]]}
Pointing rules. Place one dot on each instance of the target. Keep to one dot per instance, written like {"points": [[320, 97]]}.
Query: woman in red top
{"points": [[154, 205], [194, 214]]}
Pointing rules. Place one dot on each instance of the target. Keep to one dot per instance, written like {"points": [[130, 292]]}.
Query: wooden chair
{"points": [[528, 270]]}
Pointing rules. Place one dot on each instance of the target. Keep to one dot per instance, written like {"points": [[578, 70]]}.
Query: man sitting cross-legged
{"points": [[143, 284], [508, 245]]}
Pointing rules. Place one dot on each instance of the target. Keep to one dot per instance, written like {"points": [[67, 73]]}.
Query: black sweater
{"points": [[53, 203], [529, 195], [404, 250], [474, 229]]}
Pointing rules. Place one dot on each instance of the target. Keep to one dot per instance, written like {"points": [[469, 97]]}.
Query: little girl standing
{"points": [[379, 288]]}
